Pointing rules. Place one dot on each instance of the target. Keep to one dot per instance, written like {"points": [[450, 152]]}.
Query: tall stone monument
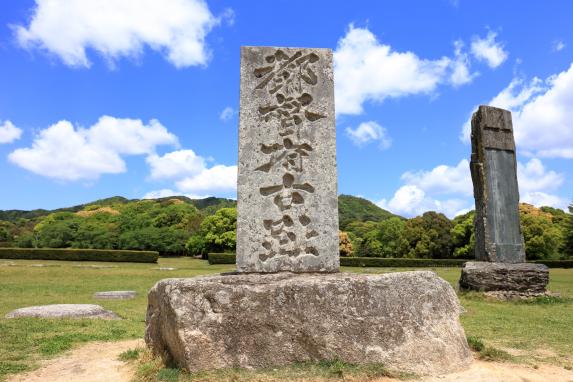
{"points": [[499, 246], [287, 302], [494, 174], [287, 194]]}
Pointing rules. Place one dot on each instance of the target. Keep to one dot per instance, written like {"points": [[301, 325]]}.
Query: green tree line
{"points": [[181, 226], [169, 226], [547, 232]]}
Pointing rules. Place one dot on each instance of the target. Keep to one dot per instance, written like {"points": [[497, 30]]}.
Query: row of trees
{"points": [[548, 234], [176, 227], [170, 227]]}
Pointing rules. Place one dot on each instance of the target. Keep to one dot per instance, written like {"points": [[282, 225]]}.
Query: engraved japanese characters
{"points": [[287, 190]]}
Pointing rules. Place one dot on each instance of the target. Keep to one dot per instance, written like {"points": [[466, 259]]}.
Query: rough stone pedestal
{"points": [[520, 279], [406, 321]]}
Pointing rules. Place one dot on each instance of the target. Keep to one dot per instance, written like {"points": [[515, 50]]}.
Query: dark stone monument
{"points": [[497, 231]]}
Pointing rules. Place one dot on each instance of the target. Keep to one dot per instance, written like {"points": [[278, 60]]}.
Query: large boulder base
{"points": [[64, 311], [521, 278], [406, 321]]}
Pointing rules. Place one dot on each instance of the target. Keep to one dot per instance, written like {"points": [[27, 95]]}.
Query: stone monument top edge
{"points": [[244, 47], [491, 117]]}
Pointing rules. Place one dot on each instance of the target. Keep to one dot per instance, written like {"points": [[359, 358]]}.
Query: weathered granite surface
{"points": [[407, 321], [287, 182], [115, 295], [64, 311], [494, 175], [526, 278]]}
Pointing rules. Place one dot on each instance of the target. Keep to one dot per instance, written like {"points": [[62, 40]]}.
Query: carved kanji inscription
{"points": [[287, 202]]}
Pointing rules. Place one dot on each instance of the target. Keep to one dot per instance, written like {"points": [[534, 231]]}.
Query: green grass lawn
{"points": [[541, 331]]}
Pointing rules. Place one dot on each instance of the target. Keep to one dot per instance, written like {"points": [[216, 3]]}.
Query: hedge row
{"points": [[399, 262], [229, 258], [79, 254], [423, 263], [221, 258], [555, 263]]}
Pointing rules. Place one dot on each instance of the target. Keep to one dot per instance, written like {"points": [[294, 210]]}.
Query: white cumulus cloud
{"points": [[448, 189], [217, 178], [558, 46], [367, 70], [120, 28], [540, 199], [367, 132], [9, 133], [65, 152], [489, 50], [176, 164], [461, 73], [541, 112], [227, 114], [533, 176], [410, 200], [443, 179], [190, 175]]}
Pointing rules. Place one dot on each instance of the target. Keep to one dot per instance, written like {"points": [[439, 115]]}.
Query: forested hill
{"points": [[179, 225], [350, 208], [172, 225], [353, 208], [209, 205]]}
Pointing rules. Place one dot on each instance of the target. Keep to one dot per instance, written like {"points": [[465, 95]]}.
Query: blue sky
{"points": [[139, 98]]}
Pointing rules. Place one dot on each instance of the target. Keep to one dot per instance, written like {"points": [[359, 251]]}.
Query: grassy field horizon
{"points": [[536, 331]]}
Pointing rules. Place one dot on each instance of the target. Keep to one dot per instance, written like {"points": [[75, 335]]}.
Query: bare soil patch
{"points": [[482, 371], [98, 362], [94, 362]]}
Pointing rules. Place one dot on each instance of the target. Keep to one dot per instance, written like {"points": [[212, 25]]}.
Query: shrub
{"points": [[221, 258], [344, 244], [79, 254], [475, 343], [197, 246]]}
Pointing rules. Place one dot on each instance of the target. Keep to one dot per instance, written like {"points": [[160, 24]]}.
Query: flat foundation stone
{"points": [[95, 266], [406, 321], [508, 295], [115, 295], [525, 278], [64, 311]]}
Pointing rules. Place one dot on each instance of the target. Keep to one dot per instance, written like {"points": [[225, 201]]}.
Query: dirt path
{"points": [[482, 371], [94, 362], [97, 362]]}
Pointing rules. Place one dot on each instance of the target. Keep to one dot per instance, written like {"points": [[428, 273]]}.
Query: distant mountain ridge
{"points": [[350, 208], [208, 205]]}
